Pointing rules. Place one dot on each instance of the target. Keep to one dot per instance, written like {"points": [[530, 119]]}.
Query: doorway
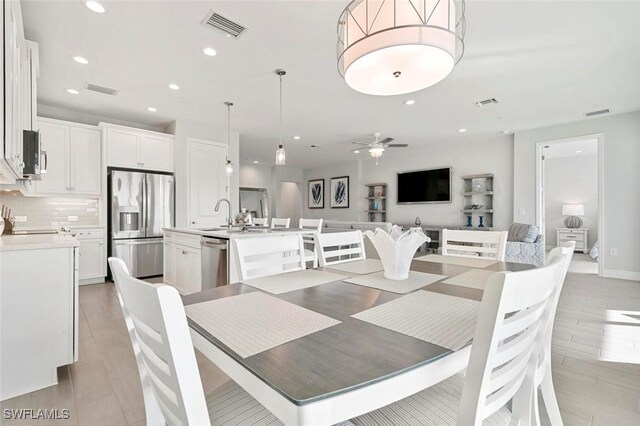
{"points": [[570, 200]]}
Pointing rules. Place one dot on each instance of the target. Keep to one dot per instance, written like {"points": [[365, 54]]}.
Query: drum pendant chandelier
{"points": [[393, 47]]}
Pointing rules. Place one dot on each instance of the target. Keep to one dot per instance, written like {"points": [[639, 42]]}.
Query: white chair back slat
{"points": [[508, 338], [491, 244], [164, 350], [340, 247], [261, 221], [309, 239], [265, 256], [277, 222]]}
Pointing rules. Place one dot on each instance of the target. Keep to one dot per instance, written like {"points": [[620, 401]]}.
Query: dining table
{"points": [[347, 369]]}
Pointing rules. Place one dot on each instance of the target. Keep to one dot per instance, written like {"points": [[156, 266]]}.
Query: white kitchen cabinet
{"points": [[138, 149], [92, 259], [73, 159], [182, 262], [38, 311], [11, 127], [207, 183]]}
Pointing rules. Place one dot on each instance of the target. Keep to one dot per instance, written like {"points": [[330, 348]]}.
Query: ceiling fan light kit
{"points": [[397, 47]]}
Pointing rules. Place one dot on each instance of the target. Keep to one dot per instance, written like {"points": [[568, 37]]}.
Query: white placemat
{"points": [[456, 260], [292, 281], [475, 278], [360, 267], [444, 320], [415, 281], [254, 322]]}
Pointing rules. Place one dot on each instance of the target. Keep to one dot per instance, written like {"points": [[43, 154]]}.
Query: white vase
{"points": [[396, 249]]}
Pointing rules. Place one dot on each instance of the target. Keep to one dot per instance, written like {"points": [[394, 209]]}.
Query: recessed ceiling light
{"points": [[357, 151], [462, 130], [80, 60], [94, 6], [505, 132], [296, 137], [409, 102], [255, 161], [174, 86], [152, 109], [578, 152], [209, 51], [73, 91]]}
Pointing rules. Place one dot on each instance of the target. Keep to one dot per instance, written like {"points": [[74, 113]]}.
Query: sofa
{"points": [[525, 244]]}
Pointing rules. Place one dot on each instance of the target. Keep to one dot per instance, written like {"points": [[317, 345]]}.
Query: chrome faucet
{"points": [[217, 207]]}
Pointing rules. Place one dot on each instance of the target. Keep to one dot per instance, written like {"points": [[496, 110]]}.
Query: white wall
{"points": [[290, 202], [183, 129], [488, 156], [49, 111], [352, 213], [571, 180], [621, 195]]}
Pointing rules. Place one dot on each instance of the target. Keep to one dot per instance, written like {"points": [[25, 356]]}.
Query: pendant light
{"points": [[228, 166], [401, 46], [281, 155]]}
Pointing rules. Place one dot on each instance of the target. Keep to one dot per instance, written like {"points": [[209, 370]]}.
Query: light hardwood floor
{"points": [[596, 360]]}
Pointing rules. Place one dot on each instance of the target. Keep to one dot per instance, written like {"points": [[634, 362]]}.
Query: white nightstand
{"points": [[579, 235]]}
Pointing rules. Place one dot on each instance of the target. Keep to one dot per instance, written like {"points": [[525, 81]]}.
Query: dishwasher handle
{"points": [[218, 244]]}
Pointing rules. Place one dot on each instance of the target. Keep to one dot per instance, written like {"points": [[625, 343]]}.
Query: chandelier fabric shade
{"points": [[393, 47]]}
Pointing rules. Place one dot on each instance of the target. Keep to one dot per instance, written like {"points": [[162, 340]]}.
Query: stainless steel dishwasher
{"points": [[215, 262]]}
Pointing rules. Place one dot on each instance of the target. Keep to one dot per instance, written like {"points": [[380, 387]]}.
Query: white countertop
{"points": [[228, 235], [37, 241]]}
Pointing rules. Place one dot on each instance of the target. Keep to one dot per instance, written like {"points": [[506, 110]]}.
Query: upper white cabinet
{"points": [[73, 153], [138, 149], [19, 62]]}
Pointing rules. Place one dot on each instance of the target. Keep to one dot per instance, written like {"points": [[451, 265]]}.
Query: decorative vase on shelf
{"points": [[418, 222], [396, 249], [374, 205], [476, 186], [469, 222], [481, 224]]}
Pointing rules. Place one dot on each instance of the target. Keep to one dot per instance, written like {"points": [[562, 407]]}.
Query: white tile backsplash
{"points": [[46, 212]]}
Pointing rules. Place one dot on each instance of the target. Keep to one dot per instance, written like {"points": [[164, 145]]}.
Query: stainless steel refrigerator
{"points": [[140, 205]]}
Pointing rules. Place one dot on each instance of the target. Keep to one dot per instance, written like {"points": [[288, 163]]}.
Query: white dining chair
{"points": [[509, 335], [465, 243], [310, 252], [543, 377], [265, 256], [261, 221], [340, 247], [278, 222], [172, 389]]}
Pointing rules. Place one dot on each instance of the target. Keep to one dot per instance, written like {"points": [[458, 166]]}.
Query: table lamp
{"points": [[573, 213]]}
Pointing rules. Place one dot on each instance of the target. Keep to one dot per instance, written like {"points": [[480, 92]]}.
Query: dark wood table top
{"points": [[351, 354]]}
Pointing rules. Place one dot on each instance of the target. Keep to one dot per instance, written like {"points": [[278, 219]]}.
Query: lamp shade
{"points": [[573, 210]]}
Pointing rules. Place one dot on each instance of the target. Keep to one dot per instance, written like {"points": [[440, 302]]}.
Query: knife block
{"points": [[8, 227]]}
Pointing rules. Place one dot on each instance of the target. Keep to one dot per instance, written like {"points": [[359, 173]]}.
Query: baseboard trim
{"points": [[622, 275], [87, 281]]}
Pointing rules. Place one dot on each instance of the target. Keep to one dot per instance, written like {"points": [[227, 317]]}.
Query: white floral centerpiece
{"points": [[396, 249]]}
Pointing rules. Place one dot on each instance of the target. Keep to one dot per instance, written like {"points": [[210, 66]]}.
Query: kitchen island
{"points": [[199, 259], [38, 310]]}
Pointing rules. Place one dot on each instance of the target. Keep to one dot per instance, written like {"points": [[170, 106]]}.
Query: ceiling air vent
{"points": [[100, 89], [227, 26], [480, 104], [598, 112]]}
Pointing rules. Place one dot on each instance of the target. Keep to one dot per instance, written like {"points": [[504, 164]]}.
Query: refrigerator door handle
{"points": [[145, 206]]}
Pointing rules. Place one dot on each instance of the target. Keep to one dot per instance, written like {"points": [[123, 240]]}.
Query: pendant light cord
{"points": [[228, 129], [280, 110]]}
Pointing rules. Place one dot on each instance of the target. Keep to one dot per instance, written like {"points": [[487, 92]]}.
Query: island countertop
{"points": [[36, 241], [227, 235]]}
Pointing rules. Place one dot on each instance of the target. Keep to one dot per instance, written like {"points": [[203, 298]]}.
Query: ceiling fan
{"points": [[377, 147]]}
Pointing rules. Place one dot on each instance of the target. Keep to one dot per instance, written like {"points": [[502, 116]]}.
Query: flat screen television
{"points": [[425, 186]]}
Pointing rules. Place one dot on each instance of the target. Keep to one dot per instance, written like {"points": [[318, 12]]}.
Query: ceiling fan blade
{"points": [[397, 145], [385, 141], [360, 143]]}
